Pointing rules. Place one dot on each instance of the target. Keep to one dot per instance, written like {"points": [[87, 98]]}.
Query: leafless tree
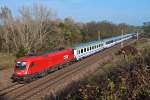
{"points": [[29, 30], [33, 26], [6, 20]]}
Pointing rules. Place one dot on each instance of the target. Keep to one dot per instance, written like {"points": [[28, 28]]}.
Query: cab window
{"points": [[32, 64], [20, 65]]}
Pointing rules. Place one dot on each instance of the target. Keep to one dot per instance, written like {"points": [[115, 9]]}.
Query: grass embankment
{"points": [[120, 79], [6, 61]]}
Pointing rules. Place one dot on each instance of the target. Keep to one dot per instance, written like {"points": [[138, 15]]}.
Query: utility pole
{"points": [[137, 35], [99, 35], [122, 45]]}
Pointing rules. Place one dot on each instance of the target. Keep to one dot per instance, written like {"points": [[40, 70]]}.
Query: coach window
{"points": [[84, 49], [78, 51], [109, 42], [97, 46], [81, 50], [90, 48]]}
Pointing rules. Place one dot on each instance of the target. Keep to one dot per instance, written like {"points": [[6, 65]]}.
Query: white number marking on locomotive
{"points": [[66, 56]]}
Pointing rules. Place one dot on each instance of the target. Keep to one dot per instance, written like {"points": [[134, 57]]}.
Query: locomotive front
{"points": [[20, 71]]}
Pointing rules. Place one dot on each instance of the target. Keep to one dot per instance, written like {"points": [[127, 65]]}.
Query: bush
{"points": [[22, 51], [146, 31], [143, 94]]}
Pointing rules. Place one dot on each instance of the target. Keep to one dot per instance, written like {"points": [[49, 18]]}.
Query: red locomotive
{"points": [[29, 67]]}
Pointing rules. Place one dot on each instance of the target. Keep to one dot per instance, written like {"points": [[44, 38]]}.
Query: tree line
{"points": [[37, 28], [146, 29]]}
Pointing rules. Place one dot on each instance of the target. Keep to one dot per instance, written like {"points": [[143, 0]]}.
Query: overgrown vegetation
{"points": [[146, 30], [37, 28], [129, 79]]}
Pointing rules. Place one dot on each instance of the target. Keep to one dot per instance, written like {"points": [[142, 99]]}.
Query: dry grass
{"points": [[142, 43], [6, 60]]}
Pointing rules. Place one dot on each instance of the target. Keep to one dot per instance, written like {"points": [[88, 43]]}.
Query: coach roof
{"points": [[83, 45]]}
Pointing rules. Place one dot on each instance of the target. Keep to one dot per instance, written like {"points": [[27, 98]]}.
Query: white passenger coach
{"points": [[85, 49]]}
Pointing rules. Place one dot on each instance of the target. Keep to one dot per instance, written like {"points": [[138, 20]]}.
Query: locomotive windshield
{"points": [[20, 65]]}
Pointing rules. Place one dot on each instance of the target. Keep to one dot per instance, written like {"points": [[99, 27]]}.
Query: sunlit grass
{"points": [[6, 60], [143, 44]]}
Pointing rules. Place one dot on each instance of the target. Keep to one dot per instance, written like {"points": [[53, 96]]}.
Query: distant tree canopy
{"points": [[37, 28], [147, 30], [105, 29]]}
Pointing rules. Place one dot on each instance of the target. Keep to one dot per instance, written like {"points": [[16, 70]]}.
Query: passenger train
{"points": [[37, 65], [86, 49]]}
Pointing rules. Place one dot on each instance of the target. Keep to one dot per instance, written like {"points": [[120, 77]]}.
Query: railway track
{"points": [[39, 87], [9, 89]]}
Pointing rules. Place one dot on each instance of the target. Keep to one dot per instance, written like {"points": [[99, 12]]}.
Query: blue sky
{"points": [[133, 12]]}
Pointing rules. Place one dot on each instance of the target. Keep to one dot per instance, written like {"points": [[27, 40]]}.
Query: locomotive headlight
{"points": [[18, 62]]}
